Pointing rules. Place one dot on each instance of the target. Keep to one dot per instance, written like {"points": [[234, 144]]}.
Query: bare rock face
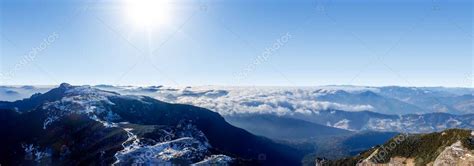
{"points": [[450, 147], [455, 154], [394, 161]]}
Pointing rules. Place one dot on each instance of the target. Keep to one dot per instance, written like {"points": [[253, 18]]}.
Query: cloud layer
{"points": [[291, 100], [262, 100]]}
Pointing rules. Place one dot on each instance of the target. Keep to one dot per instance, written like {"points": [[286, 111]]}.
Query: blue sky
{"points": [[369, 42]]}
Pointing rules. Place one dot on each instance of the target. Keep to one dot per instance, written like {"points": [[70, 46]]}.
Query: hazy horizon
{"points": [[239, 86]]}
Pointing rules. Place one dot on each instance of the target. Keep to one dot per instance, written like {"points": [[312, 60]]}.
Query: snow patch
{"points": [[190, 144], [220, 160], [342, 124], [33, 152]]}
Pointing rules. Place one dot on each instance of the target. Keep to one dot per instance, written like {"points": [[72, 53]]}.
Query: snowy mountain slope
{"points": [[283, 128]]}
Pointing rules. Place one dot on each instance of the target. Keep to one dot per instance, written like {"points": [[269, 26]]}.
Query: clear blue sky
{"points": [[368, 42]]}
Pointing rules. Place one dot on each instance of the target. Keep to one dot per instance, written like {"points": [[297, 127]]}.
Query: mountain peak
{"points": [[71, 90], [368, 93], [65, 86]]}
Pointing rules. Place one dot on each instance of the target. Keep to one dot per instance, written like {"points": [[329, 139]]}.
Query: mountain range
{"points": [[393, 100], [123, 125], [76, 125]]}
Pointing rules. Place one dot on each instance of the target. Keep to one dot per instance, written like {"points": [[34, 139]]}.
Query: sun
{"points": [[148, 13]]}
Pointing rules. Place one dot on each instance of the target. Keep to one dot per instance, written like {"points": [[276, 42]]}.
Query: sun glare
{"points": [[148, 13]]}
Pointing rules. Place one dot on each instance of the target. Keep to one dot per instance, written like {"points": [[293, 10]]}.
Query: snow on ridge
{"points": [[163, 152], [220, 160], [88, 90], [82, 100], [85, 100], [189, 144]]}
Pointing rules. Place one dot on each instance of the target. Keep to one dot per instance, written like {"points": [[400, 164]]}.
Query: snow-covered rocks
{"points": [[186, 144], [218, 160], [186, 148]]}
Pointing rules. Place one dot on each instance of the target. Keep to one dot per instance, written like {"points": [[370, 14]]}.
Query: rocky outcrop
{"points": [[455, 154], [394, 161], [450, 147]]}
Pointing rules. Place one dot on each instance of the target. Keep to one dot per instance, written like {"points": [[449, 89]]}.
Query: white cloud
{"points": [[241, 100], [343, 124]]}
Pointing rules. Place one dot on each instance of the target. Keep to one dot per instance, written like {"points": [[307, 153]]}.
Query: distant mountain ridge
{"points": [[371, 121], [283, 128], [381, 104]]}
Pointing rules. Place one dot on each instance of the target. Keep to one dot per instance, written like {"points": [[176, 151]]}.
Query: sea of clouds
{"points": [[234, 100], [248, 100]]}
